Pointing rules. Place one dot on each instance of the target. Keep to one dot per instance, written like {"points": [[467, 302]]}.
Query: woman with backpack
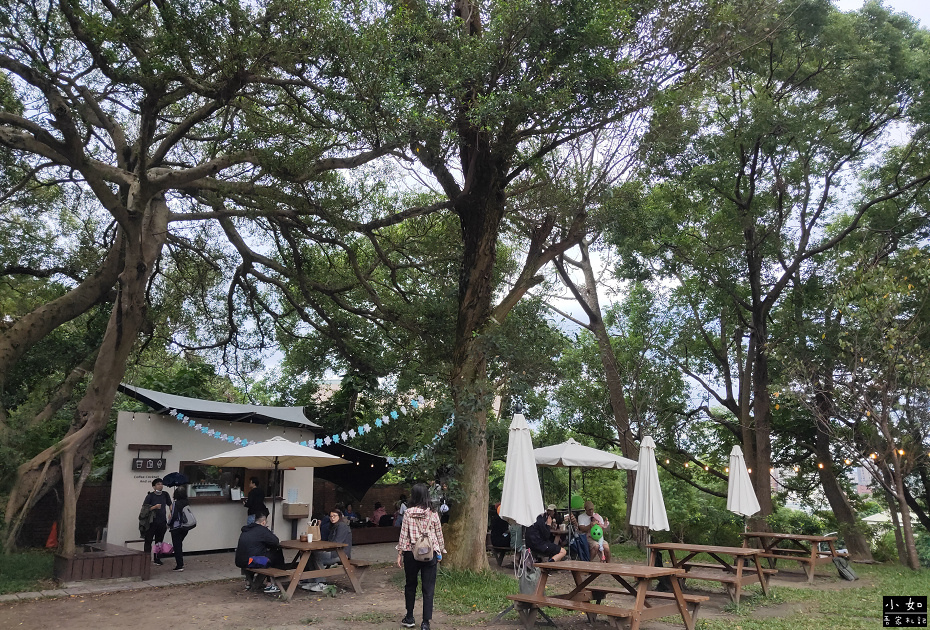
{"points": [[419, 549], [179, 525]]}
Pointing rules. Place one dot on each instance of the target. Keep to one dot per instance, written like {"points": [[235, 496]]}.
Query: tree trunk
{"points": [[910, 546], [761, 406], [480, 212], [856, 541], [142, 236]]}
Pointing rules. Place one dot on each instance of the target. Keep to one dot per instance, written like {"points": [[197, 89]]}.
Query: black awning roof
{"points": [[355, 478]]}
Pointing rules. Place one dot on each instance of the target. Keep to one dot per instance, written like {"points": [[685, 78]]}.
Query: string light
{"points": [[706, 467], [848, 461], [901, 451], [820, 465], [749, 470], [873, 456], [727, 469], [797, 468], [686, 464], [666, 461]]}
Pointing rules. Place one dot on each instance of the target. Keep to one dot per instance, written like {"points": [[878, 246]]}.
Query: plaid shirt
{"points": [[416, 522]]}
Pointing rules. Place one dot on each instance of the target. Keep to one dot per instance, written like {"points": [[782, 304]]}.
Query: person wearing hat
{"points": [[600, 550], [555, 520]]}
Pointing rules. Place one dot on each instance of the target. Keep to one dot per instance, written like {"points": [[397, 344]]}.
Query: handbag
{"points": [[188, 520], [313, 529], [160, 548], [529, 574]]}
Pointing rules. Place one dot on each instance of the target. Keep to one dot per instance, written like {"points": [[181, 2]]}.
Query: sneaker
{"points": [[271, 589], [178, 569], [248, 585], [317, 587], [158, 562], [408, 621], [424, 625]]}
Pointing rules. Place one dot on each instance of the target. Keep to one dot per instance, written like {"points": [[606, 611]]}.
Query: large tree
{"points": [[141, 106], [751, 177]]}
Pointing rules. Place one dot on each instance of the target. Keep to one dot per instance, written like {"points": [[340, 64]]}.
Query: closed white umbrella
{"points": [[741, 498], [648, 509], [275, 453], [521, 501]]}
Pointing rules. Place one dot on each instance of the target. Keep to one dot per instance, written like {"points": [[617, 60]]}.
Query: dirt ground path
{"points": [[225, 604]]}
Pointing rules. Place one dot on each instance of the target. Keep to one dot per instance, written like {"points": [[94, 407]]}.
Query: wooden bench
{"points": [[694, 601], [804, 558], [528, 613], [500, 553], [713, 565]]}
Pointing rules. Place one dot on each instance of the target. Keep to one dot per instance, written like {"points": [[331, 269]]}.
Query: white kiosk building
{"points": [[150, 445]]}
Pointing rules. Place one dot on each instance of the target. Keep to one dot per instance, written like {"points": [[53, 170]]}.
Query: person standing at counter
{"points": [[255, 501], [158, 502]]}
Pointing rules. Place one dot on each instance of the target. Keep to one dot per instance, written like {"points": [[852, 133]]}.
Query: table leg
{"points": [[763, 578], [682, 605], [813, 564], [295, 579], [739, 579], [350, 571], [641, 589]]}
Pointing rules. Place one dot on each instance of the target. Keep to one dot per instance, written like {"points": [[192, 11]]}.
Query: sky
{"points": [[919, 9]]}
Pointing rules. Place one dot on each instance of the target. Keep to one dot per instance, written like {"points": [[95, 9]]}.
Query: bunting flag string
{"points": [[403, 461], [336, 438]]}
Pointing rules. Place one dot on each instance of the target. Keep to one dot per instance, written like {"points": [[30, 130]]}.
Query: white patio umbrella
{"points": [[521, 501], [741, 498], [648, 509], [276, 452], [570, 454]]}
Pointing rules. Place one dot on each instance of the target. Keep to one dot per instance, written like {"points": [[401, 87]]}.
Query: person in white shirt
{"points": [[600, 550]]}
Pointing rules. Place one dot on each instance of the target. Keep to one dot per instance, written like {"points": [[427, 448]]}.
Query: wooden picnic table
{"points": [[729, 573], [802, 548], [633, 582], [299, 572]]}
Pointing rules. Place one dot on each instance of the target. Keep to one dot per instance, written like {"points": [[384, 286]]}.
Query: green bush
{"points": [[884, 548], [790, 521]]}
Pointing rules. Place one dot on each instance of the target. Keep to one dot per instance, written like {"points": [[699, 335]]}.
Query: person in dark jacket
{"points": [[159, 503], [177, 528], [339, 531], [500, 529], [537, 539], [255, 501], [257, 541]]}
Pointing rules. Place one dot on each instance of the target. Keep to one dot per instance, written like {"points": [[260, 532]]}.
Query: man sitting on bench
{"points": [[258, 549]]}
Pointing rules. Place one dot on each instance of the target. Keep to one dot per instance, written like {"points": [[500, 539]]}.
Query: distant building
{"points": [[862, 478]]}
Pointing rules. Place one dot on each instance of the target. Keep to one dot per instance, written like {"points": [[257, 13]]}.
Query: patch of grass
{"points": [[857, 607], [309, 620], [370, 617], [26, 571]]}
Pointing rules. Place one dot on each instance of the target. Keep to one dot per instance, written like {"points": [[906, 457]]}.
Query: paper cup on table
{"points": [[309, 537]]}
